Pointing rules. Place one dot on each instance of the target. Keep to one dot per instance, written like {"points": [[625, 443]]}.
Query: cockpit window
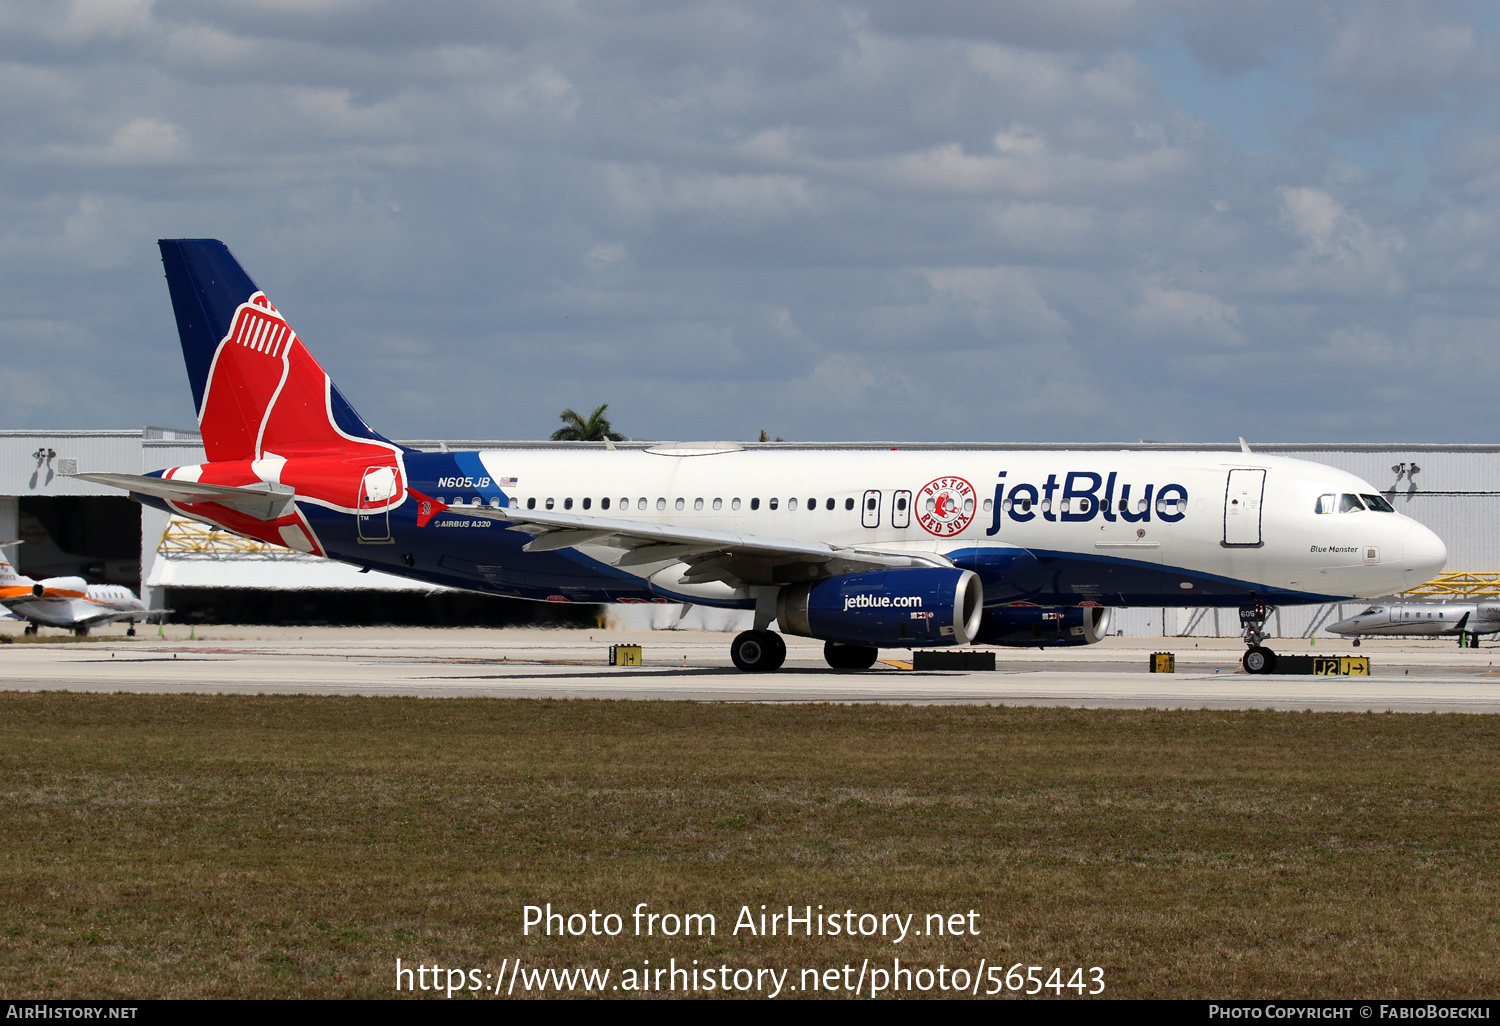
{"points": [[1373, 609], [1328, 503], [1350, 503], [1377, 503]]}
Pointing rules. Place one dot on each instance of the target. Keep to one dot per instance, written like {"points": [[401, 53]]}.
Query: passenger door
{"points": [[1242, 503], [901, 509], [375, 490]]}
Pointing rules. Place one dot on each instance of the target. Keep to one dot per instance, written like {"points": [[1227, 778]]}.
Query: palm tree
{"points": [[576, 429]]}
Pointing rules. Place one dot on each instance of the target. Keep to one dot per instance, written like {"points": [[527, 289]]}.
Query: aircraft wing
{"points": [[263, 501], [709, 555]]}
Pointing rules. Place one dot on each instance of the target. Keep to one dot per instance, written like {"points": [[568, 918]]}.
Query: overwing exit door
{"points": [[1242, 507]]}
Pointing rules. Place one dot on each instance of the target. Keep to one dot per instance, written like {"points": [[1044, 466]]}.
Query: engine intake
{"points": [[1044, 626], [902, 608]]}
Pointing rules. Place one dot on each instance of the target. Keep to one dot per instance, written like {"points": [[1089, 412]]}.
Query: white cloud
{"points": [[999, 301], [1185, 317], [1342, 254], [1401, 56], [749, 197], [1357, 347], [783, 325], [645, 191]]}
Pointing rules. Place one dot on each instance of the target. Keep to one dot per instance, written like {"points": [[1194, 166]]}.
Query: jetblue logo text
{"points": [[1082, 496], [882, 602]]}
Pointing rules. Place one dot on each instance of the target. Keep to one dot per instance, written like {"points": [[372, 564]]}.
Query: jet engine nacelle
{"points": [[1044, 626], [60, 587], [902, 608]]}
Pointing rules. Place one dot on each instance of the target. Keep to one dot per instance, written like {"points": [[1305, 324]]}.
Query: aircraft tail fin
{"points": [[257, 387], [9, 577]]}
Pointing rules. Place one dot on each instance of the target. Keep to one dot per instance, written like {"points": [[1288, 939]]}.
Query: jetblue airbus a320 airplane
{"points": [[861, 549]]}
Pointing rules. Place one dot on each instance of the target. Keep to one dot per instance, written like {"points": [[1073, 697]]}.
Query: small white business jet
{"points": [[70, 603], [1468, 620]]}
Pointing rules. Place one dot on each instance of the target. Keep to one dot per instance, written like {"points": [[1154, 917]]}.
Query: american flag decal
{"points": [[508, 482]]}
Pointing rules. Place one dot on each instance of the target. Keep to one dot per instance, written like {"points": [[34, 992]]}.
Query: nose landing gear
{"points": [[1257, 658]]}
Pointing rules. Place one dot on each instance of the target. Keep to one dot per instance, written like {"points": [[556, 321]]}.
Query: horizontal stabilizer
{"points": [[262, 501]]}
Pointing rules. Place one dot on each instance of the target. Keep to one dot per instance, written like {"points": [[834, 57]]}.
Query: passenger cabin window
{"points": [[1377, 503], [568, 503], [587, 503], [604, 502], [734, 504], [639, 503], [549, 503], [530, 503], [719, 504], [661, 503], [790, 504], [1327, 503], [680, 503], [849, 503], [771, 504], [755, 504], [829, 504], [1350, 503], [697, 503]]}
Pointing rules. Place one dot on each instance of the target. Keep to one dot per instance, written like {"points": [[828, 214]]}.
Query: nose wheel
{"points": [[1257, 658], [758, 651]]}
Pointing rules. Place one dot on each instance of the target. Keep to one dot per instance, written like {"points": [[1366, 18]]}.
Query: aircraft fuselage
{"points": [[1052, 527]]}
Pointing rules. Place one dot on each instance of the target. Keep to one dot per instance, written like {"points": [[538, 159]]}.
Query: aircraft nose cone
{"points": [[1423, 555]]}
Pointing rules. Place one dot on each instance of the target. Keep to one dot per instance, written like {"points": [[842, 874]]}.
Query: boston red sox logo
{"points": [[945, 506]]}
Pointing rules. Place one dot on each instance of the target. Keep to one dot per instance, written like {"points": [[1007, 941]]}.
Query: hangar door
{"points": [[1242, 499]]}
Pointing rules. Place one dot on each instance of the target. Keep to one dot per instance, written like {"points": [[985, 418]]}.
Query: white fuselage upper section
{"points": [[1241, 516]]}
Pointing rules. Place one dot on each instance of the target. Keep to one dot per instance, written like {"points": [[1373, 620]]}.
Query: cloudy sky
{"points": [[948, 220]]}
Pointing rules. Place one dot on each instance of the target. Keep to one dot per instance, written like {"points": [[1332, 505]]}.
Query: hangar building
{"points": [[76, 527]]}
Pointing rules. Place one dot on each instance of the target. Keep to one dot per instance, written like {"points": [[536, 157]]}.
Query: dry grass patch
{"points": [[280, 846]]}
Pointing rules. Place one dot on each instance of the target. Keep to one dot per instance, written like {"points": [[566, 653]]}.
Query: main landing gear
{"points": [[758, 651], [849, 657], [1257, 658], [764, 651]]}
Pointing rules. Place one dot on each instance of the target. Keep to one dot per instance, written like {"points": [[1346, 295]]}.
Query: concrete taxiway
{"points": [[1409, 676]]}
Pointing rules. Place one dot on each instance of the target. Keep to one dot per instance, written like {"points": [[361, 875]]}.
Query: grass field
{"points": [[161, 846]]}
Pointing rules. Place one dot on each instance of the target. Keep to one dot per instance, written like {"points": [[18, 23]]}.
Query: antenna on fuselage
{"points": [[1244, 445]]}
